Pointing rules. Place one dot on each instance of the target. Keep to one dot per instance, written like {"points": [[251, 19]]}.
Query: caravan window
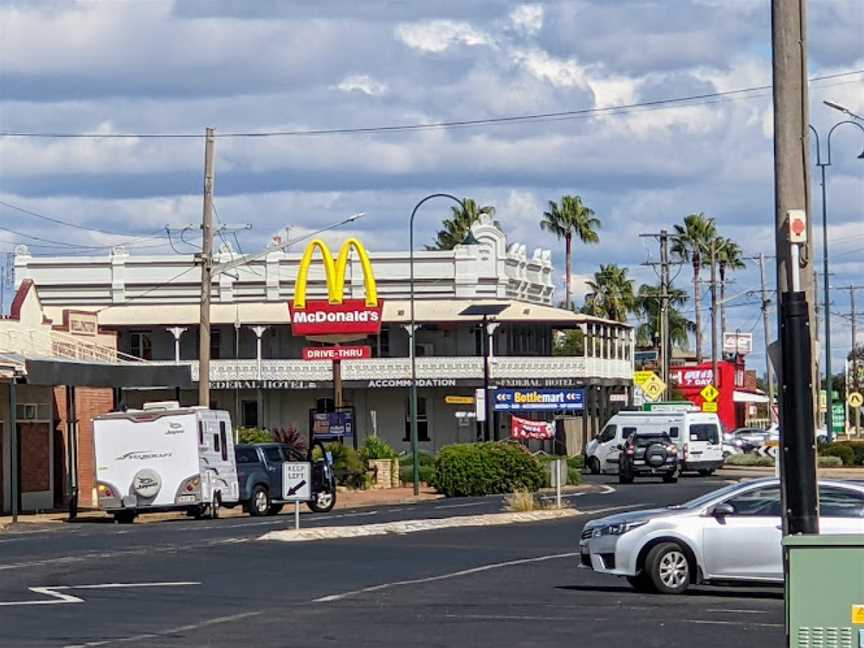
{"points": [[201, 433], [216, 445], [627, 432], [673, 432], [223, 440], [704, 432]]}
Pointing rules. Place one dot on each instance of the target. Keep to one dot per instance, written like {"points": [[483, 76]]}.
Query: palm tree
{"points": [[691, 243], [611, 294], [648, 309], [456, 228], [572, 217], [729, 257]]}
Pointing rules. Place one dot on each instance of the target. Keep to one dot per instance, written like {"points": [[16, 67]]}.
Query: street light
{"points": [[829, 414], [411, 331]]}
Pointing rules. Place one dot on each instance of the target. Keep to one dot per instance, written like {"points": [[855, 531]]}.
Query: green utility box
{"points": [[825, 599]]}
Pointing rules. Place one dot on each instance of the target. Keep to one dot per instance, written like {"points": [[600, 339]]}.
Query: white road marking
{"points": [[732, 611], [170, 631], [734, 623], [58, 596], [506, 617], [431, 579], [452, 506], [607, 490]]}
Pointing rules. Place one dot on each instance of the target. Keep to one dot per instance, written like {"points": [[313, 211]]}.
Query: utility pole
{"points": [[769, 372], [853, 316], [665, 346], [793, 231], [206, 274], [714, 358]]}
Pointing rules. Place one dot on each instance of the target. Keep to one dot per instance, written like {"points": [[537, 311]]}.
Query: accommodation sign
{"points": [[539, 400]]}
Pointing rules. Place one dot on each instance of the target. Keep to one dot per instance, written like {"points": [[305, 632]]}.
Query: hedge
{"points": [[348, 466], [751, 460], [486, 468], [406, 473], [857, 447], [840, 450]]}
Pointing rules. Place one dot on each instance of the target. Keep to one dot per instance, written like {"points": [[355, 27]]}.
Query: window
{"points": [[141, 345], [273, 455], [627, 431], [246, 455], [608, 433], [249, 414], [840, 502], [673, 432], [705, 432], [223, 440], [201, 433], [384, 343], [216, 445], [422, 421], [759, 502], [325, 405], [215, 344]]}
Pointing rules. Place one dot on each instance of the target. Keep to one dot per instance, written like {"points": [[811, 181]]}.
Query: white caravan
{"points": [[165, 457], [697, 435]]}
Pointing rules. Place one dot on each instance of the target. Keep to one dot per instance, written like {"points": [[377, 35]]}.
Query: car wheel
{"points": [[670, 478], [668, 568], [594, 465], [625, 478], [641, 583], [275, 509], [125, 517], [322, 501], [706, 472], [259, 504]]}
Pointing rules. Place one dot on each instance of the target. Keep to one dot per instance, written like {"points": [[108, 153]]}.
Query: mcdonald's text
{"points": [[320, 317]]}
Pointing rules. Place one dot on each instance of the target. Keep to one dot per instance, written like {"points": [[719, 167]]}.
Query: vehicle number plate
{"points": [[639, 461], [186, 499]]}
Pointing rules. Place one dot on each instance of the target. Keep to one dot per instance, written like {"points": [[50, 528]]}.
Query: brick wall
{"points": [[89, 402], [35, 458]]}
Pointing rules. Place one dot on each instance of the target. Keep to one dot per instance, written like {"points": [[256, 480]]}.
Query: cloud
{"points": [[437, 36], [527, 18], [362, 83], [559, 72]]}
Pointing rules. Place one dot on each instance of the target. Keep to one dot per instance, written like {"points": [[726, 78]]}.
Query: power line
{"points": [[513, 119], [59, 221]]}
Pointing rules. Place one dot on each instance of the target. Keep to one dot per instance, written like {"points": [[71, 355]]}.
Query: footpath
{"points": [[741, 472]]}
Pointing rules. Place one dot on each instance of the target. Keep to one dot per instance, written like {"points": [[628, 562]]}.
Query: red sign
{"points": [[320, 317], [696, 377], [527, 429], [337, 353]]}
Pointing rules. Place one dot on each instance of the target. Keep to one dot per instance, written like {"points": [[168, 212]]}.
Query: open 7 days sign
{"points": [[335, 315]]}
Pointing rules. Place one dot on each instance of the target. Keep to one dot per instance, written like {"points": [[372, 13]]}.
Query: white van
{"points": [[165, 457], [697, 435]]}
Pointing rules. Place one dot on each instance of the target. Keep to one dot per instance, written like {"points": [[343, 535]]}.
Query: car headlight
{"points": [[623, 527]]}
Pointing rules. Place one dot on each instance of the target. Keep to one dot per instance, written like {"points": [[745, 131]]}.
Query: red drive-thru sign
{"points": [[335, 315], [522, 428], [337, 353]]}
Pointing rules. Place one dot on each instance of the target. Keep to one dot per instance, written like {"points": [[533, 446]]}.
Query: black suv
{"points": [[644, 455]]}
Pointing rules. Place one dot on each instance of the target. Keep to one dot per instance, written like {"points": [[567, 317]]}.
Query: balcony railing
{"points": [[458, 367]]}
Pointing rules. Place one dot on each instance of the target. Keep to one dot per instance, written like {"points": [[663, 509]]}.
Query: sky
{"points": [[158, 66]]}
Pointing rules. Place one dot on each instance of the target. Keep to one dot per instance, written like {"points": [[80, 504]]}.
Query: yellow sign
{"points": [[334, 272], [459, 400], [709, 407], [653, 388], [858, 614], [642, 377], [709, 393], [855, 399]]}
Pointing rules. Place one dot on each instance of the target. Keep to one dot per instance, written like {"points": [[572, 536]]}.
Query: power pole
{"points": [[794, 268], [714, 358], [206, 274], [855, 386], [769, 372], [665, 346]]}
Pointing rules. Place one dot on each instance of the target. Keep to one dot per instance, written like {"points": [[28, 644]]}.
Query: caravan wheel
{"points": [[125, 517], [216, 507]]}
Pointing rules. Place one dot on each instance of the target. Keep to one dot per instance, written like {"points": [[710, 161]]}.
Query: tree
{"points": [[455, 229], [571, 218], [648, 310], [570, 343], [729, 257], [691, 244], [610, 294]]}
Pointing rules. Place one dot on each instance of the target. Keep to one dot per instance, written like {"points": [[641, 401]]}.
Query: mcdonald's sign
{"points": [[335, 315]]}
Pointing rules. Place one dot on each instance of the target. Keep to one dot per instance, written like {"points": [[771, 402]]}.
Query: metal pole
{"points": [[15, 485], [297, 515], [826, 300], [854, 355], [769, 372], [72, 441], [714, 359], [484, 346], [206, 275], [665, 344], [411, 333]]}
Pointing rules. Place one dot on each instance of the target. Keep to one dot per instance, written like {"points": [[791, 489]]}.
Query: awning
{"points": [[103, 374], [748, 397]]}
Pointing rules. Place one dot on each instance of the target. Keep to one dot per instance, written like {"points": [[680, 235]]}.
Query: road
{"points": [[212, 583]]}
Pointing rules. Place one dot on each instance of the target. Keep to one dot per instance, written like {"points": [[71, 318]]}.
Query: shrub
{"points": [[857, 447], [406, 473], [253, 435], [377, 448], [830, 461], [574, 476], [574, 472], [424, 459], [577, 462], [840, 450], [521, 501], [486, 468], [749, 460], [349, 468]]}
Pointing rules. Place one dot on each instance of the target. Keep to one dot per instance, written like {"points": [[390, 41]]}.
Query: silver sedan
{"points": [[730, 535]]}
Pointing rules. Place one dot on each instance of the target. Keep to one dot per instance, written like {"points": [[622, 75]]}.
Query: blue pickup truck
{"points": [[259, 471]]}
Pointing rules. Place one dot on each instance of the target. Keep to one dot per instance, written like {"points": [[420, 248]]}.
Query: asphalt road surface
{"points": [[212, 583]]}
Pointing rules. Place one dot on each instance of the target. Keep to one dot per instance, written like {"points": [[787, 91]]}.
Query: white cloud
{"points": [[527, 18], [562, 73], [436, 36], [362, 83]]}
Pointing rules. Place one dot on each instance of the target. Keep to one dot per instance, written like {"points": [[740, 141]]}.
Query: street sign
{"points": [[653, 388], [797, 225], [617, 398], [459, 400], [855, 399], [709, 407], [480, 404], [737, 342], [838, 417], [359, 352], [296, 481], [642, 377], [539, 400], [709, 393], [670, 406]]}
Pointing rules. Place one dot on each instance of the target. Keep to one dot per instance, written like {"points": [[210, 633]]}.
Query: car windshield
{"points": [[699, 502]]}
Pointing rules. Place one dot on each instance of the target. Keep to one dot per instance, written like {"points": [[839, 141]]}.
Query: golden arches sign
{"points": [[334, 272]]}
